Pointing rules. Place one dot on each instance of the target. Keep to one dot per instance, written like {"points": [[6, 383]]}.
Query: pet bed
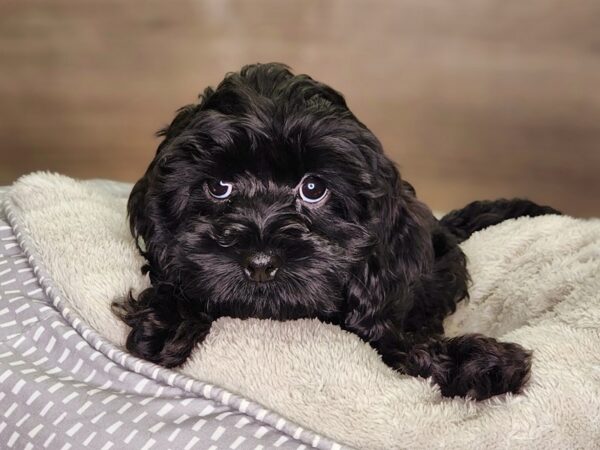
{"points": [[66, 380]]}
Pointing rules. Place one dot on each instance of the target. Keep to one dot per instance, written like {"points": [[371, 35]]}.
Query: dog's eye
{"points": [[219, 189], [312, 189]]}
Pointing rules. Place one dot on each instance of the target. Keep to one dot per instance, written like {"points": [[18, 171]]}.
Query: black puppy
{"points": [[270, 199]]}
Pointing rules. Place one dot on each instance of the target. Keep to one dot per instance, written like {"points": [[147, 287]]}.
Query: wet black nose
{"points": [[261, 266]]}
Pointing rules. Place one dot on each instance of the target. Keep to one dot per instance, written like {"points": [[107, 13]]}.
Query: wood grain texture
{"points": [[473, 99]]}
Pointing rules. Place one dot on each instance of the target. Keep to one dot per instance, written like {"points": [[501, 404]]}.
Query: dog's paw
{"points": [[472, 366], [158, 332]]}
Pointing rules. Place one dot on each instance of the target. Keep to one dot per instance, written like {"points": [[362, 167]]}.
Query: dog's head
{"points": [[269, 198]]}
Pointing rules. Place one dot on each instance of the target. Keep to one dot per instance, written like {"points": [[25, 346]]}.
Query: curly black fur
{"points": [[369, 257], [476, 216]]}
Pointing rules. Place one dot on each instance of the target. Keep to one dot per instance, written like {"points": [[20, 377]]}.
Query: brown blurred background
{"points": [[473, 98]]}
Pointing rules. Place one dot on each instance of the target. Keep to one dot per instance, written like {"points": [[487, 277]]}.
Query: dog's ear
{"points": [[381, 285], [142, 225], [145, 221]]}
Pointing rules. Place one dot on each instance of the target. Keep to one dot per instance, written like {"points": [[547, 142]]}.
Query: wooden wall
{"points": [[472, 98]]}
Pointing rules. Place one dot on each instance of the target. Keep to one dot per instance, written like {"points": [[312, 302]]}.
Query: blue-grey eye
{"points": [[219, 189], [312, 189]]}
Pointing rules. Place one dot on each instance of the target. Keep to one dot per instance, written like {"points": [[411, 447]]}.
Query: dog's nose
{"points": [[261, 266]]}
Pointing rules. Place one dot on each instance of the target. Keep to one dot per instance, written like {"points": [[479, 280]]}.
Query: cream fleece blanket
{"points": [[535, 282]]}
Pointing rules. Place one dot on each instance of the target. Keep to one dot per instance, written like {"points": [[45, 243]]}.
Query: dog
{"points": [[269, 199]]}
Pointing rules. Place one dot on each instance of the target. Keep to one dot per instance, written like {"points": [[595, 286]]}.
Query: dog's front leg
{"points": [[471, 365], [160, 333]]}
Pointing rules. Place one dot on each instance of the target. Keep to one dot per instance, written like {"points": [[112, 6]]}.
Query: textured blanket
{"points": [[535, 282]]}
